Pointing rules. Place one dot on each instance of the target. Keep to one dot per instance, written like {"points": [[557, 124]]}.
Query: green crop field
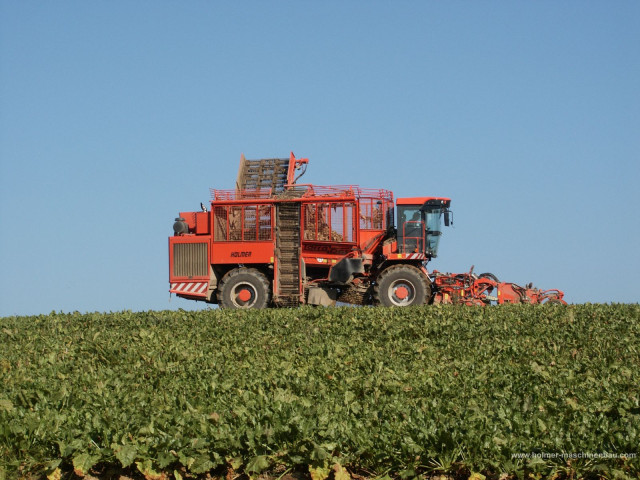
{"points": [[497, 392]]}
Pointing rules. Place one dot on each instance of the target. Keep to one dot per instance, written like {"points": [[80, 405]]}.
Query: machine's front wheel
{"points": [[402, 286], [244, 288]]}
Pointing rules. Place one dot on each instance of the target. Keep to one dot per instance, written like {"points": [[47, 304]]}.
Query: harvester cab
{"points": [[420, 222]]}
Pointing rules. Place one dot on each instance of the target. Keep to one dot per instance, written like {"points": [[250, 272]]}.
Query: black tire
{"points": [[490, 276], [244, 288], [391, 282]]}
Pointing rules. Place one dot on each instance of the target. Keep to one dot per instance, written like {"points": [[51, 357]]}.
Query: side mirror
{"points": [[447, 220]]}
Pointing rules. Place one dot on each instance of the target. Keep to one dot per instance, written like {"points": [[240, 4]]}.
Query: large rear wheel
{"points": [[402, 286], [244, 288]]}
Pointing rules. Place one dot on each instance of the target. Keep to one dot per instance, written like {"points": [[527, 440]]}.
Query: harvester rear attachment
{"points": [[485, 289]]}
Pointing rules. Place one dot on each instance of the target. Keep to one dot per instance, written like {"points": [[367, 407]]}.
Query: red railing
{"points": [[308, 191], [346, 191], [240, 194]]}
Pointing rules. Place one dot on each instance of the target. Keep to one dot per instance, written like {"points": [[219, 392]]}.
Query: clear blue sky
{"points": [[115, 116]]}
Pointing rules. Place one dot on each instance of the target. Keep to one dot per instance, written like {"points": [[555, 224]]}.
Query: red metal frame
{"points": [[228, 251]]}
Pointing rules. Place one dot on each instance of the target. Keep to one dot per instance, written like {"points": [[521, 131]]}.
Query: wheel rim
{"points": [[244, 295], [401, 292]]}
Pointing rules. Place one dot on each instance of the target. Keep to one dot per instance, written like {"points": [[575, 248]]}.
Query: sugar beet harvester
{"points": [[274, 242]]}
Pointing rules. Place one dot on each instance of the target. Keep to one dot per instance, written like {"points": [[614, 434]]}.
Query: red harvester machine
{"points": [[274, 242]]}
